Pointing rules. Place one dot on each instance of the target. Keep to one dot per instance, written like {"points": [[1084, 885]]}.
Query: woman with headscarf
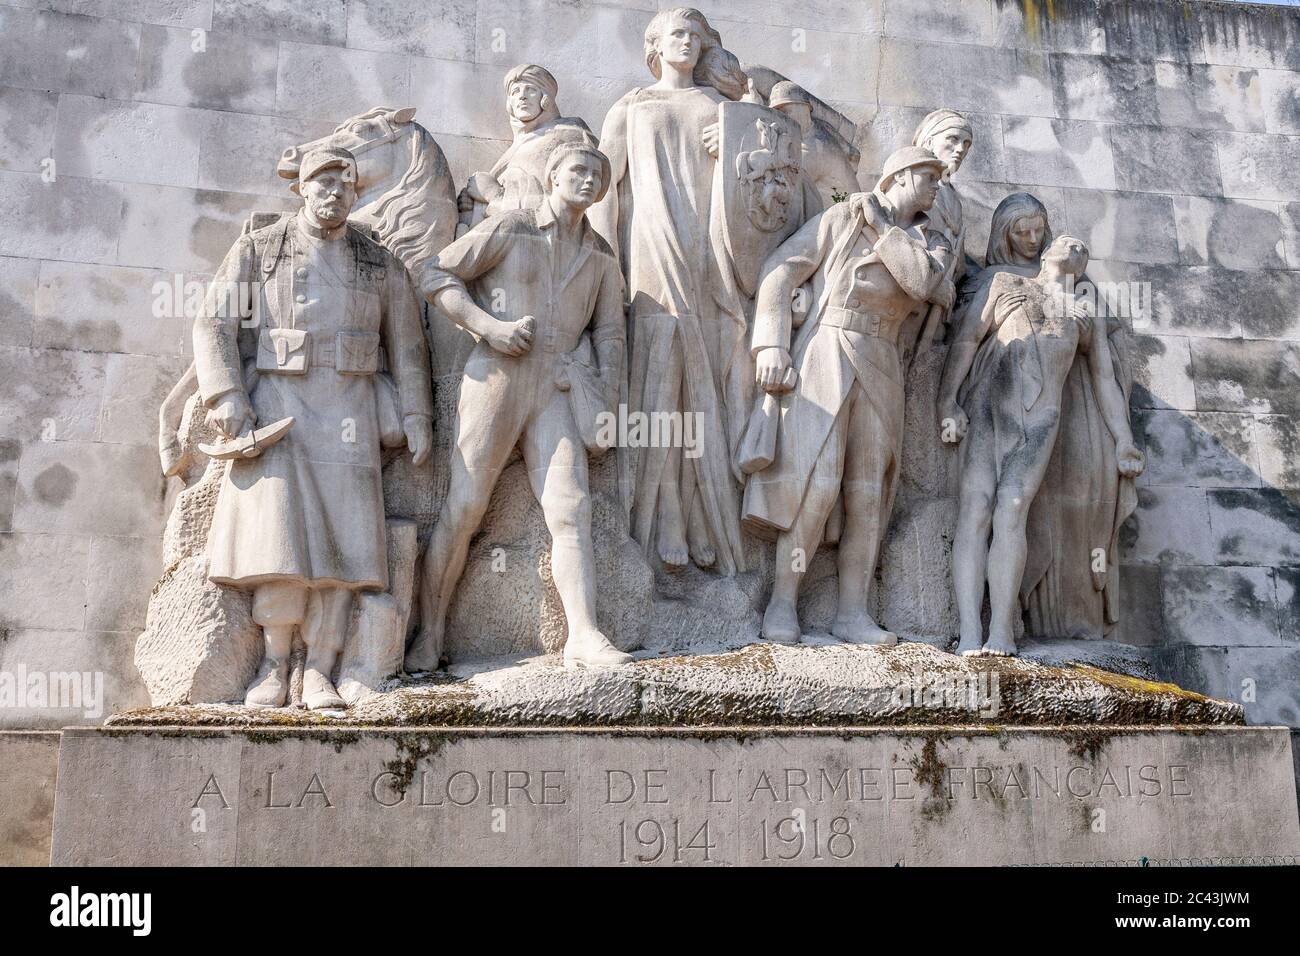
{"points": [[1070, 587], [687, 321]]}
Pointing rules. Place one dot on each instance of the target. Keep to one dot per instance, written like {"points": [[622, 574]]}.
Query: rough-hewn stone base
{"points": [[763, 684], [725, 796]]}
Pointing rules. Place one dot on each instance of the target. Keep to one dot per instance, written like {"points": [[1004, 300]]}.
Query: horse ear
{"points": [[403, 116]]}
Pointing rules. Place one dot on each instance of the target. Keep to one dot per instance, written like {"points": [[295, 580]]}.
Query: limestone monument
{"points": [[299, 518], [1002, 395], [549, 357], [629, 442], [872, 262], [517, 179]]}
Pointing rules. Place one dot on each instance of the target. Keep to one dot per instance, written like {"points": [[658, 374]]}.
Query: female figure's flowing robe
{"points": [[687, 324]]}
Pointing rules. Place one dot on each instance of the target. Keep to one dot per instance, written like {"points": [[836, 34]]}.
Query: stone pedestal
{"points": [[672, 796]]}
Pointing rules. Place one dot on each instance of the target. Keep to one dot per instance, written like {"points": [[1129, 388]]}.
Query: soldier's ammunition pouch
{"points": [[286, 351], [356, 353]]}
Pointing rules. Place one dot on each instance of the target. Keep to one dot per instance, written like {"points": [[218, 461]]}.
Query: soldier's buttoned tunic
{"points": [[864, 286], [515, 264], [310, 508]]}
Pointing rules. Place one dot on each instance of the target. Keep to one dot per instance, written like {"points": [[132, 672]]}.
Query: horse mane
{"points": [[417, 215]]}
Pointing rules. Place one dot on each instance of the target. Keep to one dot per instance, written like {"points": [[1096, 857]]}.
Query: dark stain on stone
{"points": [[55, 484]]}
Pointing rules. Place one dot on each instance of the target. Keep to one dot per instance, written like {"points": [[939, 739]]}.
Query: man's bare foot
{"points": [[781, 623], [860, 628], [700, 546], [999, 646], [672, 543], [318, 692], [270, 688], [592, 649]]}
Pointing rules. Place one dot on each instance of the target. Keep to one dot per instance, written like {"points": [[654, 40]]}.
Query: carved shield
{"points": [[759, 153]]}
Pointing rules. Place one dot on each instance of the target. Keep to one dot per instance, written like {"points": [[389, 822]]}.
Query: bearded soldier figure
{"points": [[300, 522]]}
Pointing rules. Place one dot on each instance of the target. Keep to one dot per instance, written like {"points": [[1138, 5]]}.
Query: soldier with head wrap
{"points": [[948, 135], [515, 181]]}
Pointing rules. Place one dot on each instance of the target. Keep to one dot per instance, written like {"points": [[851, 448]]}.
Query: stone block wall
{"points": [[136, 135]]}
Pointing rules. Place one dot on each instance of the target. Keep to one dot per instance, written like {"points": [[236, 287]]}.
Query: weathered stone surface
{"points": [[305, 21], [1208, 97], [1171, 526], [18, 281], [1218, 606], [69, 218], [89, 487], [27, 118], [1160, 159], [1133, 227], [1103, 89], [232, 71], [823, 684], [1258, 166], [62, 678], [31, 762], [91, 308], [1198, 449], [1233, 234], [322, 83], [1162, 372], [1246, 376], [1255, 526], [1054, 152], [32, 596], [126, 142], [1262, 678], [411, 26], [34, 49], [50, 394], [1278, 441], [679, 798]]}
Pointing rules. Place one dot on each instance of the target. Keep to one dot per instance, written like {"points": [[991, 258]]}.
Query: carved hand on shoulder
{"points": [[1007, 303], [232, 415], [512, 338], [711, 139]]}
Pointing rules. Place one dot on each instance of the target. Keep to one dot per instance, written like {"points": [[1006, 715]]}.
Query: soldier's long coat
{"points": [[311, 507]]}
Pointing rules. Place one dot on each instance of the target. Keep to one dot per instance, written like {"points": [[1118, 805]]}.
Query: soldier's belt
{"points": [[861, 322], [293, 351]]}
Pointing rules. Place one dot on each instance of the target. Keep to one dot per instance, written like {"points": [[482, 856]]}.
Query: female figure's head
{"points": [[681, 39], [1019, 233]]}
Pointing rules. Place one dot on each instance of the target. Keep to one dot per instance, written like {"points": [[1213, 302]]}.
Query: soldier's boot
{"points": [[323, 631], [278, 608], [270, 688]]}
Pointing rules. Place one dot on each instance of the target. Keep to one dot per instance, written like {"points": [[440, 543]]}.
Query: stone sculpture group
{"points": [[708, 265]]}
